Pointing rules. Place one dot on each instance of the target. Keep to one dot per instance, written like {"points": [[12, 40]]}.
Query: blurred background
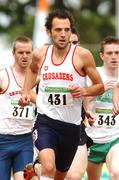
{"points": [[94, 19]]}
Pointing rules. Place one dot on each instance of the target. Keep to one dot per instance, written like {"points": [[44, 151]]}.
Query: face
{"points": [[60, 32], [23, 54], [110, 56], [74, 38]]}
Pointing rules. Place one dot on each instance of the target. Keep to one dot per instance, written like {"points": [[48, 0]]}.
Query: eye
{"points": [[75, 42], [58, 29], [117, 52], [109, 53], [67, 29]]}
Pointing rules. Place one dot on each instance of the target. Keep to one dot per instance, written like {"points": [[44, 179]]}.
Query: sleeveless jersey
{"points": [[54, 98], [106, 126], [14, 120]]}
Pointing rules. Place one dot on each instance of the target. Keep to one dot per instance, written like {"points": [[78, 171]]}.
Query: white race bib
{"points": [[58, 96], [105, 118], [18, 112]]}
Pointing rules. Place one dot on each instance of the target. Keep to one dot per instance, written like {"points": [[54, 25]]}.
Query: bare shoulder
{"points": [[83, 52], [85, 55], [3, 79]]}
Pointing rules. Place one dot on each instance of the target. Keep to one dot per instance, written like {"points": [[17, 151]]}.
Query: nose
{"points": [[63, 33], [114, 55], [24, 54]]}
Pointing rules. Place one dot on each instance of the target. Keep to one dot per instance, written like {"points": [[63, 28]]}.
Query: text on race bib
{"points": [[105, 118], [26, 112], [58, 96]]}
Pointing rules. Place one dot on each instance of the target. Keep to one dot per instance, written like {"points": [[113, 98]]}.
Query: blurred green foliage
{"points": [[94, 19]]}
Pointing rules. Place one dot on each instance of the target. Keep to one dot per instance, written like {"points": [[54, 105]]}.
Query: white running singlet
{"points": [[54, 98], [14, 119], [106, 126]]}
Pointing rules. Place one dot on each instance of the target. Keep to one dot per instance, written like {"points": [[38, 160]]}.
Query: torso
{"points": [[106, 126], [54, 99], [13, 118]]}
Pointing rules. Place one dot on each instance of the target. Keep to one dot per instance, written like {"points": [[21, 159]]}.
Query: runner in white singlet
{"points": [[105, 130], [63, 67], [16, 122]]}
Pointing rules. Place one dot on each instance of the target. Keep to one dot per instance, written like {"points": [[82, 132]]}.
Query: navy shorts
{"points": [[60, 136], [15, 152]]}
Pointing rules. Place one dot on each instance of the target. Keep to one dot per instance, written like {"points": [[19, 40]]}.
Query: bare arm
{"points": [[3, 80], [97, 86], [88, 106], [31, 79], [0, 85], [115, 99], [33, 96], [89, 67]]}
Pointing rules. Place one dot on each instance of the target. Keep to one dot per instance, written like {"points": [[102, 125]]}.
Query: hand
{"points": [[75, 91], [109, 85], [115, 99], [115, 109], [91, 118], [24, 100]]}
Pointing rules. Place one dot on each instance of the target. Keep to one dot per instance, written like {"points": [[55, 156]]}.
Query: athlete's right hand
{"points": [[24, 100], [91, 118], [109, 85]]}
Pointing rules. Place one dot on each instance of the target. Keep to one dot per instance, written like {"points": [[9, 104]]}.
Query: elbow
{"points": [[102, 90], [34, 68]]}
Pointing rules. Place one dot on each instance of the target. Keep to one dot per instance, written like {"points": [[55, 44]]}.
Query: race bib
{"points": [[58, 96], [105, 118], [18, 112]]}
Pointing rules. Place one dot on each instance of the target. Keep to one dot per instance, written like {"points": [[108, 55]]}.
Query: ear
{"points": [[48, 32], [101, 56], [13, 52]]}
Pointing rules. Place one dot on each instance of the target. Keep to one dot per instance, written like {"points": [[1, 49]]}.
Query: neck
{"points": [[60, 51], [19, 69], [59, 54], [111, 72], [19, 73]]}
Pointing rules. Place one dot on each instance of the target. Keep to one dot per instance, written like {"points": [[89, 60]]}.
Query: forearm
{"points": [[30, 80], [33, 97], [115, 96], [93, 90], [115, 99], [0, 85], [88, 103]]}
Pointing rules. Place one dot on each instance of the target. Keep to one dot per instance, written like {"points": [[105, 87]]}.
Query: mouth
{"points": [[25, 62], [114, 62], [62, 41]]}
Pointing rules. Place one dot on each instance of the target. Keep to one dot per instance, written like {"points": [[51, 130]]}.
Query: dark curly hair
{"points": [[59, 13]]}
